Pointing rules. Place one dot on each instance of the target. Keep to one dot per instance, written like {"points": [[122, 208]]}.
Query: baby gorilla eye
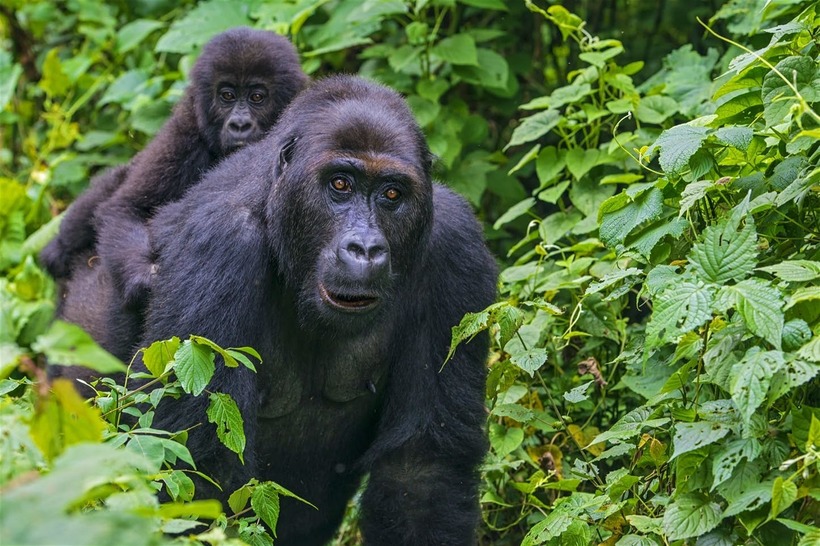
{"points": [[257, 97], [341, 185], [227, 95], [392, 194]]}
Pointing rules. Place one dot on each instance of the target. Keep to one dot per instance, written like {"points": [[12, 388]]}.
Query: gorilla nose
{"points": [[365, 257], [240, 127]]}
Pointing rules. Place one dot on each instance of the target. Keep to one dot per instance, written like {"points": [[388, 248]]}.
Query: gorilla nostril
{"points": [[240, 127]]}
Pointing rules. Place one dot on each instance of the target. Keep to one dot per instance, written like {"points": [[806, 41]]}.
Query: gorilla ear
{"points": [[286, 154]]}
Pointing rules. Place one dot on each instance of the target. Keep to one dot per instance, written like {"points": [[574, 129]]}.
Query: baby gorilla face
{"points": [[244, 109]]}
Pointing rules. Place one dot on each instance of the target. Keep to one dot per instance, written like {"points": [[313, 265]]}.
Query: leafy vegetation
{"points": [[657, 337]]}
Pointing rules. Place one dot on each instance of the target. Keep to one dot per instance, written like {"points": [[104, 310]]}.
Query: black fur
{"points": [[266, 252], [259, 72]]}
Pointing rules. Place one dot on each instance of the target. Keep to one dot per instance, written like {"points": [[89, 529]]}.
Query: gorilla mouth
{"points": [[348, 302]]}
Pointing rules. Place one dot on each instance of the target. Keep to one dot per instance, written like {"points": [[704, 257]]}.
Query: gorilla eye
{"points": [[392, 194], [257, 97], [228, 96], [341, 185]]}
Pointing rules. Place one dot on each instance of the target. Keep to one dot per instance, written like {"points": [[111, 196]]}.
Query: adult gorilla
{"points": [[239, 87], [326, 247]]}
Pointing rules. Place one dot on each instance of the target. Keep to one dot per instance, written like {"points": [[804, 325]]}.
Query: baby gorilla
{"points": [[239, 87]]}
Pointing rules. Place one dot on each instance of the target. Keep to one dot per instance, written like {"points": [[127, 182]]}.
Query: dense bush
{"points": [[657, 337]]}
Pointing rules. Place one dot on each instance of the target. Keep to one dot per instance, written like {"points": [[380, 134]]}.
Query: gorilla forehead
{"points": [[241, 53]]}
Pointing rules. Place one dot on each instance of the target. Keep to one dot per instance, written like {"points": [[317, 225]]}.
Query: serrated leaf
{"points": [[690, 515], [509, 319], [751, 378], [265, 502], [778, 96], [784, 493], [725, 254], [692, 193], [550, 527], [738, 137], [728, 457], [578, 394], [224, 413], [515, 412], [194, 366], [679, 309], [761, 306], [692, 436], [794, 270], [755, 496], [471, 324], [617, 223], [644, 240], [677, 145]]}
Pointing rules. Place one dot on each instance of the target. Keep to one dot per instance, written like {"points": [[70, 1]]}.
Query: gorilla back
{"points": [[327, 248]]}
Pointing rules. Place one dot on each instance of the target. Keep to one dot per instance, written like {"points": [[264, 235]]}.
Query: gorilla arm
{"points": [[160, 174], [423, 487], [77, 230]]}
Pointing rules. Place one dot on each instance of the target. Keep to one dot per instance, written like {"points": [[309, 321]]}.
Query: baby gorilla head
{"points": [[241, 82]]}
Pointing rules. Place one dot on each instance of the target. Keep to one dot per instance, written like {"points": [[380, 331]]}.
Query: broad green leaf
{"points": [[751, 498], [179, 485], [513, 411], [646, 524], [645, 240], [794, 270], [194, 366], [534, 127], [554, 525], [549, 165], [620, 214], [150, 447], [784, 493], [531, 360], [10, 72], [809, 293], [761, 306], [239, 498], [54, 82], [778, 96], [488, 4], [509, 319], [692, 193], [504, 440], [67, 344], [692, 436], [580, 161], [471, 324], [679, 309], [159, 355], [725, 254], [224, 413], [656, 109], [690, 515], [132, 34], [265, 502], [729, 456], [200, 24], [458, 49], [526, 159], [514, 212], [796, 333], [739, 137], [556, 225], [677, 145], [751, 378]]}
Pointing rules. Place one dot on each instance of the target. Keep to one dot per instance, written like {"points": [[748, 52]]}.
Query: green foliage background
{"points": [[648, 176]]}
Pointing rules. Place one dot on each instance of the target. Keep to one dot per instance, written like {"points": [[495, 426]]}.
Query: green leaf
{"points": [[578, 394], [679, 309], [9, 74], [471, 324], [223, 411], [751, 378], [265, 502], [514, 212], [132, 34], [531, 360], [761, 306], [487, 4], [677, 145], [549, 165], [504, 440], [554, 525], [159, 355], [194, 366], [784, 493], [656, 109], [692, 436], [459, 49], [728, 457], [778, 96], [690, 515], [514, 412], [67, 344], [534, 127], [725, 254], [239, 498], [580, 161], [556, 225], [621, 214], [54, 82], [739, 137], [203, 22], [794, 270]]}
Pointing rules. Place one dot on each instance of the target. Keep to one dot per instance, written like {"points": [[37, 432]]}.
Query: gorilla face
{"points": [[355, 193], [242, 82]]}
